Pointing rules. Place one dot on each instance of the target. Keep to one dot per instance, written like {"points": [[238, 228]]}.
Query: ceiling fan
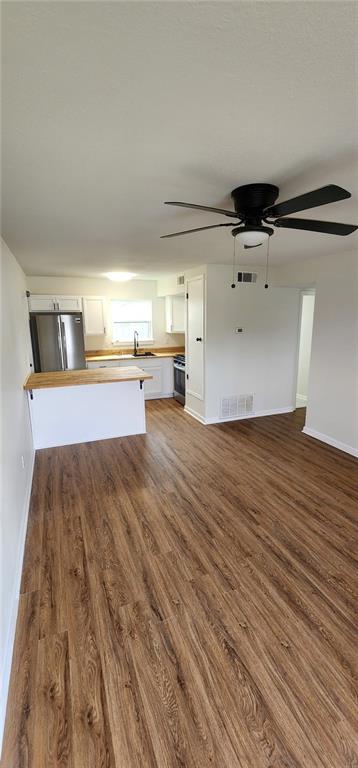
{"points": [[257, 213]]}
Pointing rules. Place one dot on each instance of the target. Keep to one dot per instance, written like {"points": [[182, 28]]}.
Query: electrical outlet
{"points": [[239, 330]]}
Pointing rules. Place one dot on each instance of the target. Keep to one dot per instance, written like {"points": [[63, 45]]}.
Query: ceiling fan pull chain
{"points": [[267, 262], [233, 265]]}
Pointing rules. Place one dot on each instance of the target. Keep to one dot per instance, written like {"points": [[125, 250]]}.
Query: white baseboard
{"points": [[194, 414], [301, 401], [272, 411], [161, 396], [9, 645], [216, 420], [257, 414], [331, 441]]}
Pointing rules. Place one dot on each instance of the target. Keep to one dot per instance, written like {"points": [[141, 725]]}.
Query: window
{"points": [[130, 316]]}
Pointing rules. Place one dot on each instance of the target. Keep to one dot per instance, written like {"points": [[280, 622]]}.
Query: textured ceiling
{"points": [[111, 108]]}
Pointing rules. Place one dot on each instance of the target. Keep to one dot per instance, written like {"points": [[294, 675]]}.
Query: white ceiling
{"points": [[109, 108]]}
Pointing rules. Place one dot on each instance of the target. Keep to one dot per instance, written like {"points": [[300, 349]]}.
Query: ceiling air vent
{"points": [[180, 280], [246, 277], [236, 405]]}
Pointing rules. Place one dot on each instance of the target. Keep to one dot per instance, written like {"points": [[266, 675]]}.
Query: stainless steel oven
{"points": [[179, 378]]}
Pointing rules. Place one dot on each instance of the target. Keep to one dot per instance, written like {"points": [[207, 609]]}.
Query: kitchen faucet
{"points": [[135, 343]]}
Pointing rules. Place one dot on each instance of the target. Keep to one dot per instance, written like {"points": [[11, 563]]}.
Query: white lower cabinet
{"points": [[160, 368], [104, 364], [154, 387]]}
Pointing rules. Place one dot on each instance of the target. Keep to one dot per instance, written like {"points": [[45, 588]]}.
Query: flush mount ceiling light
{"points": [[251, 237], [120, 277]]}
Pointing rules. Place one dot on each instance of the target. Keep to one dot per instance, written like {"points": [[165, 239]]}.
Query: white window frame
{"points": [[129, 342]]}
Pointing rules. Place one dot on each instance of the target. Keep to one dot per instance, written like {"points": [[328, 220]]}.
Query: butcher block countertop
{"points": [[113, 354], [79, 378]]}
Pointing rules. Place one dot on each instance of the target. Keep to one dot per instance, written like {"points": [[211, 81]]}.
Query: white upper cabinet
{"points": [[175, 314], [93, 308], [48, 303], [94, 315], [69, 303], [42, 303]]}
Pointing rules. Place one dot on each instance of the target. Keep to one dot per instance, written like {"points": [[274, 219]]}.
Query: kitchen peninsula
{"points": [[69, 407]]}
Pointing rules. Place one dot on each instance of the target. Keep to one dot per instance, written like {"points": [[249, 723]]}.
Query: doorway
{"points": [[304, 348]]}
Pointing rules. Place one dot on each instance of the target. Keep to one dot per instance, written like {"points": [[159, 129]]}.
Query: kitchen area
{"points": [[71, 362]]}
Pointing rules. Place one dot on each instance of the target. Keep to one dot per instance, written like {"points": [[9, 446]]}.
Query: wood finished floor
{"points": [[188, 600]]}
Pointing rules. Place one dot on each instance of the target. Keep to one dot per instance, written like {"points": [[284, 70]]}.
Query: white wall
{"points": [[133, 289], [332, 412], [167, 285], [16, 446], [304, 352], [263, 359]]}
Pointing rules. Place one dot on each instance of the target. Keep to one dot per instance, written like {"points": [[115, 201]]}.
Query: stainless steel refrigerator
{"points": [[57, 341]]}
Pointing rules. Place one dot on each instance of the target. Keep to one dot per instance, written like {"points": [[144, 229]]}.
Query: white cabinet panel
{"points": [[174, 314], [167, 376], [104, 364], [93, 310], [153, 387], [178, 303], [69, 303], [42, 303], [162, 384], [195, 337], [47, 303]]}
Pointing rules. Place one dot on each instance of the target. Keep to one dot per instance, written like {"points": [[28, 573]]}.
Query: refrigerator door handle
{"points": [[60, 342], [64, 346]]}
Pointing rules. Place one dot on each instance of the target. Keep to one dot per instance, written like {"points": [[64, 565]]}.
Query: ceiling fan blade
{"points": [[312, 225], [197, 229], [205, 208], [329, 194]]}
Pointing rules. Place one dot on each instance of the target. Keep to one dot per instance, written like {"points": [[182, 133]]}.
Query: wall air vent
{"points": [[180, 280], [234, 406], [246, 277]]}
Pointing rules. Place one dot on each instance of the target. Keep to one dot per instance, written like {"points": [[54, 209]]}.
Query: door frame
{"points": [[303, 292], [191, 280]]}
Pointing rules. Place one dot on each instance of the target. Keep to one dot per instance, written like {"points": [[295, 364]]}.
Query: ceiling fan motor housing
{"points": [[250, 200]]}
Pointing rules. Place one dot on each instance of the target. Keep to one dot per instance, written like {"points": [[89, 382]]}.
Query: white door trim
{"points": [[192, 280]]}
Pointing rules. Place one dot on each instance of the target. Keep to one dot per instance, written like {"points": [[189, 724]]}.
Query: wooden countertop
{"points": [[100, 355], [79, 378], [95, 358]]}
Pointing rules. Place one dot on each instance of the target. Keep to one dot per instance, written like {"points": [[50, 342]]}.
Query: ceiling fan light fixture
{"points": [[251, 238]]}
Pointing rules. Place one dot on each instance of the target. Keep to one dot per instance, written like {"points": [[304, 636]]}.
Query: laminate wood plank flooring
{"points": [[188, 600]]}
